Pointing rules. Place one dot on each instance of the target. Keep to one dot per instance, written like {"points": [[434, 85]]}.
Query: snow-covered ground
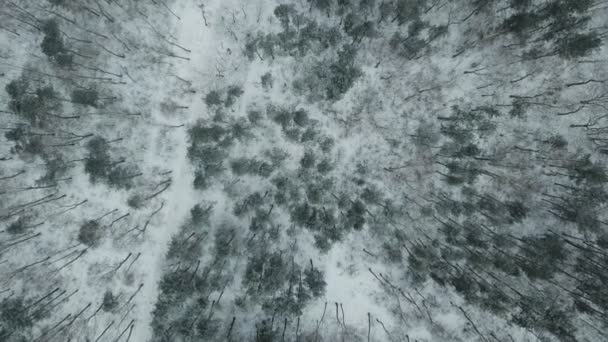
{"points": [[424, 146]]}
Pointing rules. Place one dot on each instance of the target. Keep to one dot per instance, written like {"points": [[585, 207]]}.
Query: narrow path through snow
{"points": [[181, 196]]}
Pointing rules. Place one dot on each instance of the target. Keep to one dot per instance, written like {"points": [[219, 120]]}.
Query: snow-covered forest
{"points": [[303, 170]]}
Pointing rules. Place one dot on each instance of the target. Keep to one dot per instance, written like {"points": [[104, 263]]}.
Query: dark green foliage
{"points": [[121, 177], [176, 285], [98, 162], [208, 327], [494, 300], [578, 6], [519, 4], [367, 5], [470, 150], [281, 116], [206, 134], [264, 332], [223, 243], [90, 233], [210, 158], [326, 144], [213, 98], [557, 141], [64, 59], [305, 215], [267, 80], [461, 173], [240, 130], [251, 49], [52, 45], [31, 106], [392, 252], [87, 97], [321, 5], [315, 280], [543, 256], [584, 170], [308, 160], [266, 44], [358, 28], [385, 10], [562, 9], [364, 30], [455, 207], [17, 88], [300, 117], [232, 94], [602, 240], [265, 273], [242, 166], [578, 45], [234, 91], [406, 10], [546, 313], [16, 227], [100, 167], [15, 134], [489, 111], [458, 135], [342, 74], [517, 211], [185, 290], [356, 215], [200, 215], [185, 248], [505, 264], [209, 148], [293, 134], [519, 109], [55, 167], [416, 27], [561, 22], [276, 156], [308, 37], [280, 285], [308, 135], [437, 31], [315, 192], [582, 207], [283, 13], [324, 166], [593, 285], [322, 243], [422, 260], [522, 22], [14, 317], [34, 146], [254, 116], [251, 202], [465, 286], [135, 201], [474, 237], [284, 188], [200, 181], [109, 302], [371, 195]]}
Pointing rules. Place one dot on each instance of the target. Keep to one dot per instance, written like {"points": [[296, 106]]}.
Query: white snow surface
{"points": [[362, 123]]}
